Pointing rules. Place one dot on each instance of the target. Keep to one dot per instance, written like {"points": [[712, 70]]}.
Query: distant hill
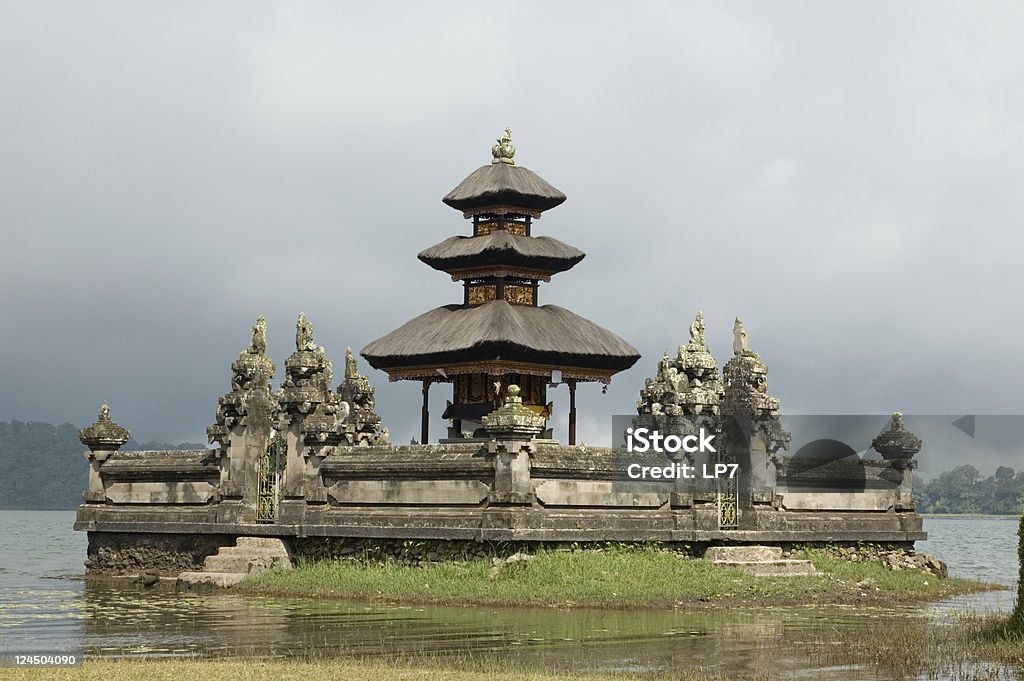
{"points": [[41, 465], [964, 490]]}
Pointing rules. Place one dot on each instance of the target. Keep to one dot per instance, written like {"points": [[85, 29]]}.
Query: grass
{"points": [[969, 648], [323, 670], [966, 649], [617, 577]]}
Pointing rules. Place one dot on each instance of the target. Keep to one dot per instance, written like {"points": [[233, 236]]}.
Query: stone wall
{"points": [[129, 553], [503, 491]]}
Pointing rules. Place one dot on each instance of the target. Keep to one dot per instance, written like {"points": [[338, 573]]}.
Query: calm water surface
{"points": [[46, 606]]}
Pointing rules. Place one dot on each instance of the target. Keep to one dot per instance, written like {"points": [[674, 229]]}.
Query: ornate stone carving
{"points": [[308, 372], [686, 385], [104, 434], [362, 424], [253, 366], [746, 393], [514, 420], [503, 151], [345, 417], [304, 334], [251, 375], [896, 443], [739, 338]]}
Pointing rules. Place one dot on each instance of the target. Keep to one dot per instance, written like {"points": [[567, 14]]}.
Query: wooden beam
{"points": [[425, 416], [572, 411]]}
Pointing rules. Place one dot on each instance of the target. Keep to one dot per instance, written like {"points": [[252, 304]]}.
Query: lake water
{"points": [[45, 606]]}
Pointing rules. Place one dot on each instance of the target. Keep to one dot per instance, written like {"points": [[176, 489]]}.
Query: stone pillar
{"points": [[757, 434], [103, 438], [897, 445], [512, 427], [243, 428], [306, 388]]}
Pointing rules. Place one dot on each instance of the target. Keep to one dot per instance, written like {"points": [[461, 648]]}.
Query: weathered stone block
{"points": [[440, 492], [743, 553], [868, 500], [160, 492], [595, 493]]}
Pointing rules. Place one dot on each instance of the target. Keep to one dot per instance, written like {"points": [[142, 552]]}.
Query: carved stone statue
{"points": [[739, 338], [259, 337], [303, 333], [351, 371], [697, 329]]}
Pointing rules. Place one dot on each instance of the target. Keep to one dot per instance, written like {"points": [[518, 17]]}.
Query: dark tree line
{"points": [[964, 490], [41, 465]]}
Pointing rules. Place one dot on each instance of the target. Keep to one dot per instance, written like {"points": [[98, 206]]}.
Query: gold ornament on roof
{"points": [[503, 151]]}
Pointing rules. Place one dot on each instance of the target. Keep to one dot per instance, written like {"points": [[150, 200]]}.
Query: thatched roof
{"points": [[501, 247], [457, 334], [504, 184]]}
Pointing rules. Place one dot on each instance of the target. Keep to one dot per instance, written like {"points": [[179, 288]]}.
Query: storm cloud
{"points": [[847, 178]]}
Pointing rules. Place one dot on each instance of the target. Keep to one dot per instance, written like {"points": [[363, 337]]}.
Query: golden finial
{"points": [[503, 151]]}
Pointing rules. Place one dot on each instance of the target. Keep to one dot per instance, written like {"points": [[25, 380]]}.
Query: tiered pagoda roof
{"points": [[462, 256], [503, 185], [529, 340], [500, 331]]}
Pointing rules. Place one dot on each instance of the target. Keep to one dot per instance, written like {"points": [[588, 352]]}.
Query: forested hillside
{"points": [[964, 490], [41, 465]]}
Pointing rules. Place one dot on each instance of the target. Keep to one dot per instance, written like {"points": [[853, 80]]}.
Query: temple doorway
{"points": [[269, 470]]}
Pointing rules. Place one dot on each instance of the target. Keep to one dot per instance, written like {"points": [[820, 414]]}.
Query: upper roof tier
{"points": [[504, 185], [501, 248]]}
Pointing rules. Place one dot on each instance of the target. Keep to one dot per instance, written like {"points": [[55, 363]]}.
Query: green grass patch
{"points": [[335, 669], [614, 577]]}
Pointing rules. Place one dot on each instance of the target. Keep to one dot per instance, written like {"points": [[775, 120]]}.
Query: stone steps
{"points": [[231, 564], [760, 561]]}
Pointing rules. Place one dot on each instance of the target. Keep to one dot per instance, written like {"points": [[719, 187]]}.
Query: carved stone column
{"points": [[898, 446], [512, 426], [244, 425], [103, 438], [756, 434]]}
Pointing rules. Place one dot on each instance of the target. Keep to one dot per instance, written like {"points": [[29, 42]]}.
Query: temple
{"points": [[500, 335], [308, 469]]}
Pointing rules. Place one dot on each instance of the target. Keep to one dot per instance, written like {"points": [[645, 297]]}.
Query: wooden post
{"points": [[424, 424], [572, 410]]}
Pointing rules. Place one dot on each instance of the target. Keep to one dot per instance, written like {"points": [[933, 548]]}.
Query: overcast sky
{"points": [[848, 178]]}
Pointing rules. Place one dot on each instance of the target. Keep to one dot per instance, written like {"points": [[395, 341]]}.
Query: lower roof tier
{"points": [[497, 337]]}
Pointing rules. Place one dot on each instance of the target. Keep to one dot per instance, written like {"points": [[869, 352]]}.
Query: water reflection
{"points": [[131, 621], [40, 613]]}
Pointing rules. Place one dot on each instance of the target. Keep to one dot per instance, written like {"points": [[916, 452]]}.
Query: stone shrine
{"points": [[312, 465]]}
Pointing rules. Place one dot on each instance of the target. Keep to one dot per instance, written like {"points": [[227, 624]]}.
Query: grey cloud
{"points": [[845, 178]]}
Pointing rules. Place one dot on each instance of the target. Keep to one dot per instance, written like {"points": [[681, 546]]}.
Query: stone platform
{"points": [[165, 502]]}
